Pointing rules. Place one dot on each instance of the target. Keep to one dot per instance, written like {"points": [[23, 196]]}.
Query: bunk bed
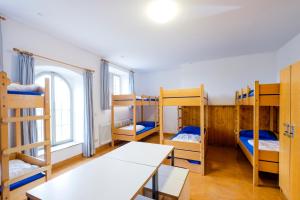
{"points": [[136, 130], [19, 171], [190, 141], [261, 146]]}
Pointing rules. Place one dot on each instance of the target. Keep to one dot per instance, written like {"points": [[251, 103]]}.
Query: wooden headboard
{"points": [[190, 116]]}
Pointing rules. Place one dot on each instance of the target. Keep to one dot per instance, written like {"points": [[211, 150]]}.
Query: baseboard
{"points": [[78, 157]]}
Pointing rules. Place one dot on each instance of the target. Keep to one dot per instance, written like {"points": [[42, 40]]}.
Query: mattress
{"points": [[139, 98], [131, 127], [264, 144], [141, 127], [188, 134], [25, 89], [186, 138], [18, 168]]}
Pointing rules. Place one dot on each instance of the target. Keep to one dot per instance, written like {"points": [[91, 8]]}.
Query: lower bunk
{"points": [[25, 176], [127, 133], [189, 149], [268, 156]]}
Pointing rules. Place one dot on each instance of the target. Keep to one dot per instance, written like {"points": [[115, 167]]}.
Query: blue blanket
{"points": [[148, 126], [24, 92], [25, 181]]}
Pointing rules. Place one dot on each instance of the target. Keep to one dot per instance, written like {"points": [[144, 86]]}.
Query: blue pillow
{"points": [[146, 124], [251, 93], [191, 129], [263, 134]]}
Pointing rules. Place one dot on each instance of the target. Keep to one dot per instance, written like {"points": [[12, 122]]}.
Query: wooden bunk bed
{"points": [[13, 102], [119, 133], [188, 154], [263, 151]]}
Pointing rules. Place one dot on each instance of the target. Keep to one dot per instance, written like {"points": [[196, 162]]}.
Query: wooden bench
{"points": [[173, 183]]}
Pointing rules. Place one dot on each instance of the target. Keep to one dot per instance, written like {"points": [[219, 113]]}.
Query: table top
{"points": [[141, 153], [103, 178]]}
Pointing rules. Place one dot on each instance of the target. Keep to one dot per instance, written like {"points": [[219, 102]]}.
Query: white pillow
{"points": [[130, 128]]}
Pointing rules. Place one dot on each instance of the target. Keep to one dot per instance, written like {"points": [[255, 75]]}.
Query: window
{"points": [[119, 81], [61, 108]]}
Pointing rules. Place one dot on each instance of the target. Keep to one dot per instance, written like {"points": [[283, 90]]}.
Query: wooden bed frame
{"points": [[184, 99], [264, 95], [131, 100], [16, 103]]}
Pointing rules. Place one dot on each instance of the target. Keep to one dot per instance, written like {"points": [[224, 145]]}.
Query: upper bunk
{"points": [[267, 95], [184, 97], [133, 100], [20, 96]]}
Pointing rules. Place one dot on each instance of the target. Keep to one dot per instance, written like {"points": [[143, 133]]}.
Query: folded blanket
{"points": [[18, 168], [186, 137], [25, 88], [267, 145], [130, 128]]}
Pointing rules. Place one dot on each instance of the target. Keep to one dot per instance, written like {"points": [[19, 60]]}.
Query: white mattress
{"points": [[130, 128], [267, 145], [185, 137], [22, 88], [18, 168]]}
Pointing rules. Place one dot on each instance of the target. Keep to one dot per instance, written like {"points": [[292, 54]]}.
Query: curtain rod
{"points": [[2, 18], [54, 60], [118, 65]]}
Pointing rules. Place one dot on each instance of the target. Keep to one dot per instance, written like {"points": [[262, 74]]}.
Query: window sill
{"points": [[59, 147]]}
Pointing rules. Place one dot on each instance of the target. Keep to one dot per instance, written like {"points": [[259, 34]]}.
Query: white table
{"points": [[117, 175], [142, 153], [102, 178]]}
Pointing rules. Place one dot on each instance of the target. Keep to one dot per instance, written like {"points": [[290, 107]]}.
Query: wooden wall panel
{"points": [[190, 116], [246, 118], [221, 121], [221, 124]]}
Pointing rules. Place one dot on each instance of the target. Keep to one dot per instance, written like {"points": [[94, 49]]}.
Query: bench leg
{"points": [[172, 158], [155, 186]]}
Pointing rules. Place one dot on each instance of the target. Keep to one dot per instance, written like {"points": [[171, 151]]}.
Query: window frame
{"points": [[52, 74]]}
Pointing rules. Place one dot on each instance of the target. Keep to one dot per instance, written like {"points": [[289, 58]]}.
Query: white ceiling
{"points": [[120, 31]]}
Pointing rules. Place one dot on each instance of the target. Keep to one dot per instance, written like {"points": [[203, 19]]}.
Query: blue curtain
{"points": [[104, 85], [131, 82], [1, 48], [26, 76], [88, 145]]}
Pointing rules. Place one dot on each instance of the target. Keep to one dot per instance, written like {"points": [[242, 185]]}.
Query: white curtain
{"points": [[25, 77], [104, 85], [88, 145]]}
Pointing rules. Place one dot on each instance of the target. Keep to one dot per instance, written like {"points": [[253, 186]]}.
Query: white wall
{"points": [[20, 36], [289, 53], [221, 78]]}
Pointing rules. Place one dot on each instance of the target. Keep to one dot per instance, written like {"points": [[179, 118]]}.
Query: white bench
{"points": [[173, 183], [140, 197]]}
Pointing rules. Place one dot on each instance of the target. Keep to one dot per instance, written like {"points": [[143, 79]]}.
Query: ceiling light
{"points": [[162, 11]]}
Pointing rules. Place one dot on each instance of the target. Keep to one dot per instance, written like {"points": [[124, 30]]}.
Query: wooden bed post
{"points": [[142, 108], [237, 117], [271, 118], [256, 135], [47, 148], [134, 116], [202, 129], [4, 136], [112, 122], [161, 121]]}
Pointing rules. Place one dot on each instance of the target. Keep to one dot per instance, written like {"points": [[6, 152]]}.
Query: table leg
{"points": [[172, 158], [155, 186]]}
